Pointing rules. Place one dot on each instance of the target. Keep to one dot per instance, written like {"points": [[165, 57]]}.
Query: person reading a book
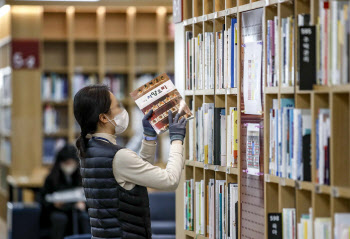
{"points": [[115, 178], [58, 216]]}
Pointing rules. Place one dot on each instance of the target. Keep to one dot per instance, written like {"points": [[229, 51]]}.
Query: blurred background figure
{"points": [[58, 216]]}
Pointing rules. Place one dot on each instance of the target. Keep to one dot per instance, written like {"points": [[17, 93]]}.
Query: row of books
{"points": [[284, 225], [50, 147], [53, 119], [216, 210], [82, 80], [117, 84], [272, 52], [54, 87], [214, 144], [333, 43], [323, 134], [323, 50], [290, 141], [211, 56], [5, 150]]}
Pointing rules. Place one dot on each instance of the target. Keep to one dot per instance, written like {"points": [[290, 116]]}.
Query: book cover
{"points": [[160, 95]]}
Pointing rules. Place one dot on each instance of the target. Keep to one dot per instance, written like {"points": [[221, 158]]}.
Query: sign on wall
{"points": [[25, 54]]}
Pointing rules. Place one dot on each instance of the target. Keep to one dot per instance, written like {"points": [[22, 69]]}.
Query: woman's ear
{"points": [[103, 118]]}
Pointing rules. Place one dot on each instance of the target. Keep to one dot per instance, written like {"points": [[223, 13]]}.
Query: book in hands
{"points": [[161, 95]]}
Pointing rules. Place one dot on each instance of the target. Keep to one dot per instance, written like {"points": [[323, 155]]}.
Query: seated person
{"points": [[58, 216]]}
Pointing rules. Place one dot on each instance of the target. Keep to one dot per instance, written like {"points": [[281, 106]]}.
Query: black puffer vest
{"points": [[114, 211]]}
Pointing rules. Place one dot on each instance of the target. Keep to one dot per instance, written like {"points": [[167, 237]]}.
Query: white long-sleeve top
{"points": [[130, 169]]}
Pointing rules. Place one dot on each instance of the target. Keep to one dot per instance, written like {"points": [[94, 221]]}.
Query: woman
{"points": [[64, 175], [115, 178]]}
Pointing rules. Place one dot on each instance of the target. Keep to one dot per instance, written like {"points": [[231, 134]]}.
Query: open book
{"points": [[67, 196], [160, 95]]}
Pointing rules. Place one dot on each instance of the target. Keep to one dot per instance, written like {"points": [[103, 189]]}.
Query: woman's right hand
{"points": [[58, 205], [177, 128]]}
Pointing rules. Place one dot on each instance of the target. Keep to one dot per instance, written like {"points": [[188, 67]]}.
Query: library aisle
{"points": [[267, 154]]}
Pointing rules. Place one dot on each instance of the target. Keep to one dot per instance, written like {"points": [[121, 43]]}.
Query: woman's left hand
{"points": [[147, 127], [80, 205]]}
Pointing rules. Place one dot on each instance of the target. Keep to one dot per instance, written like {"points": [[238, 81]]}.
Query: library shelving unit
{"points": [[276, 193], [76, 42]]}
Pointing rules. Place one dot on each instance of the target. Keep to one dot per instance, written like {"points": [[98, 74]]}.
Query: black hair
{"points": [[89, 103], [66, 153]]}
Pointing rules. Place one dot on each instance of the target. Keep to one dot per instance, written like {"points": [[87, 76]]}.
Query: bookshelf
{"points": [[276, 193], [78, 45]]}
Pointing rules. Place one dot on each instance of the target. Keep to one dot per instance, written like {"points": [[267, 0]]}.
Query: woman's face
{"points": [[115, 108], [69, 166]]}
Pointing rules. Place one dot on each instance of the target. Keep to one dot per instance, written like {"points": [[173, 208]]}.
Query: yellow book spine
{"points": [[206, 154]]}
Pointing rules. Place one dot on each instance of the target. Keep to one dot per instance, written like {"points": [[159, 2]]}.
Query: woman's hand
{"points": [[58, 205], [147, 127], [80, 205], [177, 129]]}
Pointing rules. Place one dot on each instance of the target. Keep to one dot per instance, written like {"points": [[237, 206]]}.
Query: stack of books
{"points": [[290, 141], [54, 87]]}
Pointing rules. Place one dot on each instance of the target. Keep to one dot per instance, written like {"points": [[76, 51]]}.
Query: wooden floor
{"points": [[3, 229]]}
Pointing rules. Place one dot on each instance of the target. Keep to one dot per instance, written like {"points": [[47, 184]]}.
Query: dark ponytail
{"points": [[89, 103]]}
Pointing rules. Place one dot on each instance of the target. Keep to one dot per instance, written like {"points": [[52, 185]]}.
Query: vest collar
{"points": [[111, 138]]}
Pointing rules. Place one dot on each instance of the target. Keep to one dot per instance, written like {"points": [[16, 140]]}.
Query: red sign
{"points": [[25, 54]]}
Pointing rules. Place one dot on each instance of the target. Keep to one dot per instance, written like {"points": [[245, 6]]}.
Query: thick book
{"points": [[161, 95], [307, 57], [274, 226], [67, 196], [217, 136]]}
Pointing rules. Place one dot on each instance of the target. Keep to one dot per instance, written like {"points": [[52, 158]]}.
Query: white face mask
{"points": [[68, 169], [121, 122]]}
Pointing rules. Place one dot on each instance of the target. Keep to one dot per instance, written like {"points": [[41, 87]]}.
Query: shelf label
{"points": [[216, 15], [205, 17], [267, 178], [195, 20], [216, 168], [267, 2], [228, 170], [335, 192], [185, 22], [298, 185], [205, 166], [227, 11]]}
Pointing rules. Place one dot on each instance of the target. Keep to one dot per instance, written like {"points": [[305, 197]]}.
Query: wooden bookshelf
{"points": [[89, 40], [325, 200]]}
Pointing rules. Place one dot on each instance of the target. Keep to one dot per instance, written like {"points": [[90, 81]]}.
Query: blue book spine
{"points": [[233, 22]]}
